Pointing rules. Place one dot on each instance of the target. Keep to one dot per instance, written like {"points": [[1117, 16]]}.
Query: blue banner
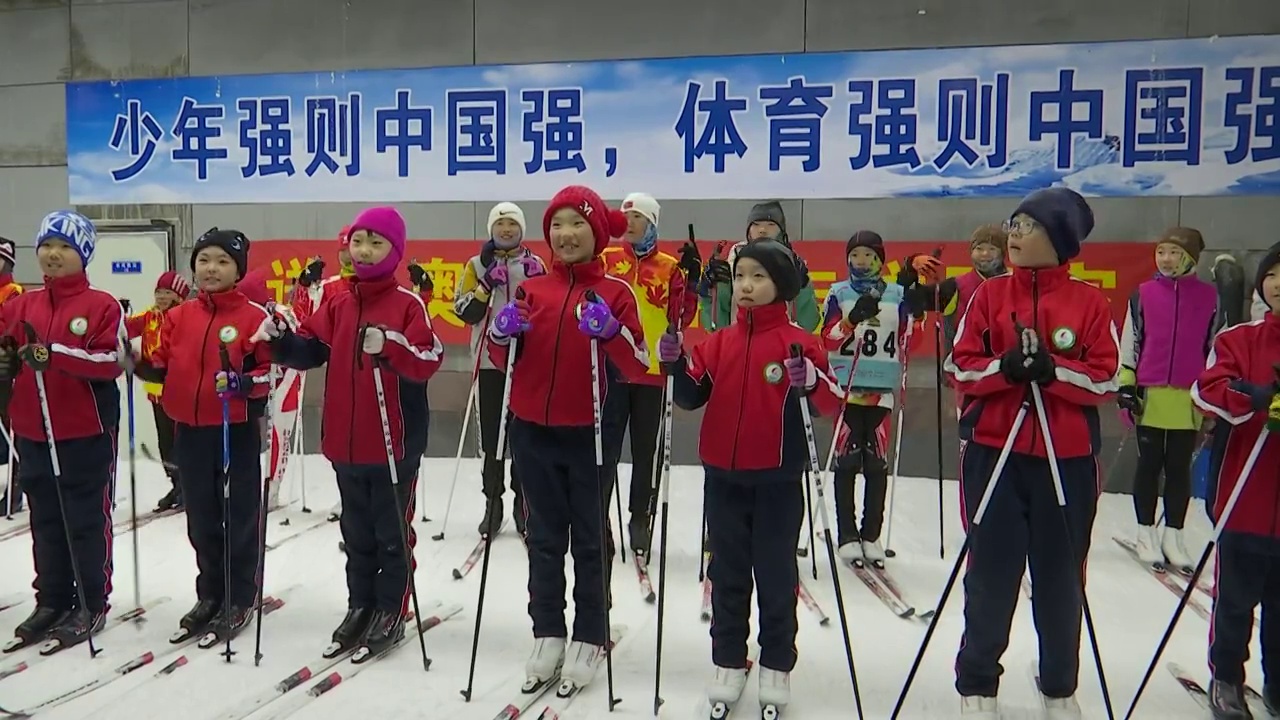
{"points": [[1157, 118]]}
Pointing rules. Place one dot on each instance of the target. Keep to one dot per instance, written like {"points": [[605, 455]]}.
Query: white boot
{"points": [[1148, 544], [727, 685], [546, 660], [979, 707], [850, 552], [1174, 551], [335, 512], [775, 689], [581, 662], [873, 551], [1062, 708]]}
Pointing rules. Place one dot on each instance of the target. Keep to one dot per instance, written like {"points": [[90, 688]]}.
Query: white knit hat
{"points": [[508, 210], [644, 204]]}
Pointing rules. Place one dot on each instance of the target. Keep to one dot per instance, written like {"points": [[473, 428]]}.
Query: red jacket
{"points": [[305, 303], [83, 328], [551, 384], [753, 421], [1245, 352], [352, 429], [189, 356], [1074, 323]]}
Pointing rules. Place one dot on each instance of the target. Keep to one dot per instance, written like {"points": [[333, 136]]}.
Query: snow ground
{"points": [[1131, 610]]}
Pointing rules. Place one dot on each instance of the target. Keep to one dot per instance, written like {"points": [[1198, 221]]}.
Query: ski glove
{"points": [[373, 339], [596, 320], [511, 320], [495, 275], [229, 384], [669, 347], [691, 262], [718, 271], [311, 274], [1128, 400], [801, 373], [35, 354], [532, 266], [1028, 361], [867, 307], [270, 329], [1260, 396], [420, 278], [916, 300], [8, 359]]}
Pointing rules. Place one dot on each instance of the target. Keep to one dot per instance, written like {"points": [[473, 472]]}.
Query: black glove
{"points": [[35, 354], [1128, 400], [420, 278], [1041, 368], [1013, 365], [691, 262], [908, 276], [1260, 396], [312, 273], [916, 299], [8, 359], [867, 307], [1028, 361], [718, 271]]}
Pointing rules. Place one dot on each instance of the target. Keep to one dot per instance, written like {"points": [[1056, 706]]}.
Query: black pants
{"points": [[372, 514], [1169, 451], [164, 438], [199, 453], [861, 454], [753, 530], [640, 407], [564, 494], [1023, 524], [494, 472], [87, 466], [1247, 573]]}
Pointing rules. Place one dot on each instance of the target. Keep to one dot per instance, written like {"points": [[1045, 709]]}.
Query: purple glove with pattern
{"points": [[669, 347], [227, 384], [512, 319], [495, 275], [801, 373], [532, 266], [596, 320]]}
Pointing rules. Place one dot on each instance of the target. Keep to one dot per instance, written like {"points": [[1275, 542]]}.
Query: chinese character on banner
{"points": [[477, 131], [265, 134], [283, 277], [1253, 111], [1062, 123], [403, 127], [889, 138], [719, 137], [141, 150], [795, 122], [968, 112], [1162, 110], [444, 277], [333, 128], [193, 128], [553, 128]]}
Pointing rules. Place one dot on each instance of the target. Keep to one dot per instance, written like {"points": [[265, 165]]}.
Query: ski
{"points": [[28, 663], [568, 691], [12, 601], [290, 538], [474, 556], [895, 603], [1164, 578], [882, 574], [529, 694], [117, 527], [641, 563], [1201, 695], [209, 638], [723, 710], [706, 599], [806, 597]]}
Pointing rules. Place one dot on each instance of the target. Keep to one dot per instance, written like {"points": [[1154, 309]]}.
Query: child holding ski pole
{"points": [[1240, 386], [555, 418], [67, 378], [11, 501], [1069, 348], [748, 381], [195, 338], [376, 326], [1167, 333], [488, 282]]}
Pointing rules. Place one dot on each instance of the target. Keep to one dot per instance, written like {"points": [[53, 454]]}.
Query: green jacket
{"points": [[804, 311]]}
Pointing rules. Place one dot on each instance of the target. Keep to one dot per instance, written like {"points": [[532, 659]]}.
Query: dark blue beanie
{"points": [[1065, 215]]}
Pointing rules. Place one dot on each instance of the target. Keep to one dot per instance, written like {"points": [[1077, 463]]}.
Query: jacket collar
{"points": [[67, 285], [1042, 278], [767, 317], [224, 300], [368, 289], [588, 271]]}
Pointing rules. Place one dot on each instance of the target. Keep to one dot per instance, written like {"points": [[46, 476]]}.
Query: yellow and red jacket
{"points": [[146, 325], [661, 293], [8, 288]]}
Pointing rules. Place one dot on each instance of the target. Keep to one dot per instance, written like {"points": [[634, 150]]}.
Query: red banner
{"points": [[1116, 268]]}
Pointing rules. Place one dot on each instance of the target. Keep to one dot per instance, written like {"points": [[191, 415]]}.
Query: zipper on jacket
{"points": [[1035, 325], [555, 351], [204, 342], [742, 396], [355, 363], [1173, 346]]}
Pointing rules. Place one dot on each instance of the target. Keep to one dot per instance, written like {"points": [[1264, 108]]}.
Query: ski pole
{"points": [[472, 401], [808, 550], [13, 454], [974, 524], [40, 357], [605, 570], [937, 338], [223, 395], [301, 444], [262, 514], [1214, 539], [662, 550], [904, 346], [133, 470], [823, 516]]}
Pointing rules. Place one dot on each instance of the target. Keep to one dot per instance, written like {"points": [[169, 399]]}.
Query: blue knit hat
{"points": [[1065, 215], [72, 227]]}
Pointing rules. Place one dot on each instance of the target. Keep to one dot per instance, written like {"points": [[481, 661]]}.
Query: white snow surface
{"points": [[1130, 608]]}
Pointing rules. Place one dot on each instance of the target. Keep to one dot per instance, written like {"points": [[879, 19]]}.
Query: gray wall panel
{"points": [[26, 195], [30, 4], [146, 39], [304, 222], [1244, 223], [34, 47], [33, 118], [1233, 17]]}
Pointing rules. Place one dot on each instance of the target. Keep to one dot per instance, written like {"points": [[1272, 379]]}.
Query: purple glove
{"points": [[496, 275], [532, 266], [227, 384], [596, 320], [512, 319], [801, 373], [669, 349]]}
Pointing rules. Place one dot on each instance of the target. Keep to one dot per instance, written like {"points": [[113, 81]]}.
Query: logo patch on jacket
{"points": [[228, 333], [773, 373], [78, 326], [1064, 338]]}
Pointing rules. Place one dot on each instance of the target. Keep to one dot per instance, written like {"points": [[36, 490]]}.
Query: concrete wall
{"points": [[44, 43]]}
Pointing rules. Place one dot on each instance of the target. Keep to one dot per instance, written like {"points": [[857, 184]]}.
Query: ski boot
{"points": [[229, 623], [491, 523], [74, 629], [349, 632], [1061, 708], [582, 661], [36, 627], [544, 664], [1148, 546], [196, 621], [873, 553], [1226, 701], [172, 500], [775, 693], [851, 552], [979, 707], [1175, 553], [385, 630], [638, 528], [725, 690]]}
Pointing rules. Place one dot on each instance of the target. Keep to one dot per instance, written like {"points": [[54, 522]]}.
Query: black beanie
{"points": [[1065, 215], [1270, 260], [770, 211], [233, 242], [783, 266], [867, 239]]}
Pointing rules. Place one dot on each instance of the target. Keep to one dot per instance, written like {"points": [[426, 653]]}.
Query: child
{"points": [[77, 349], [863, 315], [198, 381], [1167, 334], [659, 287], [765, 221], [377, 326], [1069, 348], [748, 380], [554, 424], [488, 282], [11, 502], [1241, 388], [986, 256], [171, 289]]}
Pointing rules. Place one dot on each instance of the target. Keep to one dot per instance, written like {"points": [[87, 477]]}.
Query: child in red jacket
{"points": [[205, 358], [70, 333], [748, 380], [1239, 386], [1070, 349], [554, 427], [374, 326]]}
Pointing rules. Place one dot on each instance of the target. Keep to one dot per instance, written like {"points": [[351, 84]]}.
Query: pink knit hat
{"points": [[389, 223]]}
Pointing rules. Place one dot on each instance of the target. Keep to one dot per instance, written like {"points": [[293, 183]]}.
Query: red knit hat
{"points": [[605, 221], [172, 281], [344, 236]]}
